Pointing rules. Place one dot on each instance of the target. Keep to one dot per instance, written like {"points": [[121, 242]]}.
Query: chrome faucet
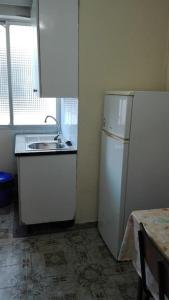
{"points": [[57, 124]]}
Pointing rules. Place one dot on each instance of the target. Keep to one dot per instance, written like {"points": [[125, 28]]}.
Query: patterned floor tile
{"points": [[56, 258], [14, 293], [71, 265], [51, 286], [12, 276], [5, 253], [4, 233], [127, 285]]}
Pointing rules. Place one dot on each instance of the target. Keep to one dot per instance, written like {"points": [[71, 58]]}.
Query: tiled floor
{"points": [[71, 265]]}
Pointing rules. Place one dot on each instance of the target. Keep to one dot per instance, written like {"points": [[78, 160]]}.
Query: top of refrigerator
{"points": [[122, 93]]}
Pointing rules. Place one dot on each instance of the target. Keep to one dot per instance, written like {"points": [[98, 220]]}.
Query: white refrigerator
{"points": [[134, 165]]}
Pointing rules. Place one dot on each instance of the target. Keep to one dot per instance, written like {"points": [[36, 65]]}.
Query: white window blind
{"points": [[4, 94], [27, 108], [69, 111]]}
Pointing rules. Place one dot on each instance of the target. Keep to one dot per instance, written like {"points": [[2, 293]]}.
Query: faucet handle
{"points": [[56, 137]]}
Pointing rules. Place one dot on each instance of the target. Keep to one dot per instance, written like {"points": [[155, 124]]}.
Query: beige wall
{"points": [[123, 45], [167, 69]]}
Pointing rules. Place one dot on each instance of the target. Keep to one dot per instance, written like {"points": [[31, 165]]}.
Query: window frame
{"points": [[23, 22]]}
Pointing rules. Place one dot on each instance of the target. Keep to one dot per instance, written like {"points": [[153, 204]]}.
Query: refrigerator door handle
{"points": [[124, 141], [104, 122]]}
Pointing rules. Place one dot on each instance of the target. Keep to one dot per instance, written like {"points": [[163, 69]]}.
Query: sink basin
{"points": [[46, 146]]}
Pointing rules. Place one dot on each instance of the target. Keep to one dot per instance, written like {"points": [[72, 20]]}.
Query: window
{"points": [[69, 111], [4, 93], [18, 103]]}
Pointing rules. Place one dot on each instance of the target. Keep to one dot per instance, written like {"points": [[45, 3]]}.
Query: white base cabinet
{"points": [[47, 188]]}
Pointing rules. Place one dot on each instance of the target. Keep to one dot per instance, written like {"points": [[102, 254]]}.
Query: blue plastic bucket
{"points": [[6, 186]]}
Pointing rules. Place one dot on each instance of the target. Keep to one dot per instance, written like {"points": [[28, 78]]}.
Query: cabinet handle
{"points": [[35, 91]]}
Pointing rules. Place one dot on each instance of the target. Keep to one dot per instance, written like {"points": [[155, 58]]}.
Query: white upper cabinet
{"points": [[55, 24]]}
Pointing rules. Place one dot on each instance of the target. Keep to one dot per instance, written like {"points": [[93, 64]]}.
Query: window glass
{"points": [[4, 94], [69, 108], [27, 108]]}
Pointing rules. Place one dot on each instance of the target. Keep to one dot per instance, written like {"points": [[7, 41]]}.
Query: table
{"points": [[156, 223]]}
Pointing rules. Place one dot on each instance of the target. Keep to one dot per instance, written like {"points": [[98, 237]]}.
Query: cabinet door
{"points": [[58, 29], [47, 188]]}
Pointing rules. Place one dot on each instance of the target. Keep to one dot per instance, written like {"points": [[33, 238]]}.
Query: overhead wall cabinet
{"points": [[55, 24], [26, 3]]}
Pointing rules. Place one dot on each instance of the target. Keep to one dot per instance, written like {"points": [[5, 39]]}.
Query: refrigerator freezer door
{"points": [[113, 171], [117, 115]]}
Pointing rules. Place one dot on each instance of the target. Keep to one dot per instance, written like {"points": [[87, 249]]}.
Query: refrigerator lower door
{"points": [[112, 189], [117, 115]]}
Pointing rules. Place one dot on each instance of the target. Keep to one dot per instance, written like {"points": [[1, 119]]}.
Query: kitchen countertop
{"points": [[21, 149]]}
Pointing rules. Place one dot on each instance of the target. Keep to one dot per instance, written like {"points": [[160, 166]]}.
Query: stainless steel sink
{"points": [[47, 146]]}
